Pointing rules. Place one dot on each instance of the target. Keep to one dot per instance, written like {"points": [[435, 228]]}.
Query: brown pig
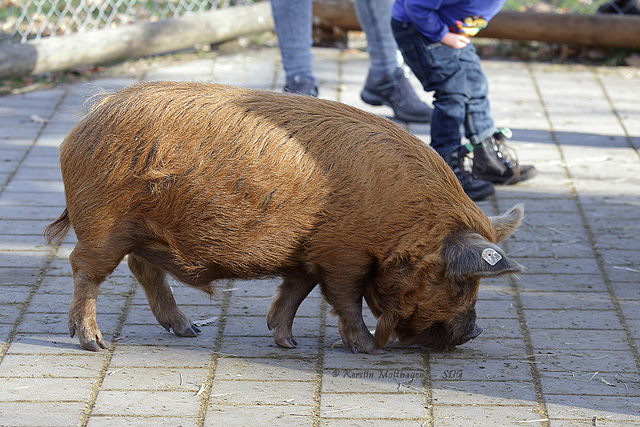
{"points": [[207, 182]]}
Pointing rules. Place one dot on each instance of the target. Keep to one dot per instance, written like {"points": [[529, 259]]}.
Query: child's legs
{"points": [[438, 68], [478, 122]]}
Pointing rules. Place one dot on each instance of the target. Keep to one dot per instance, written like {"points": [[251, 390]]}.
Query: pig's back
{"points": [[220, 169]]}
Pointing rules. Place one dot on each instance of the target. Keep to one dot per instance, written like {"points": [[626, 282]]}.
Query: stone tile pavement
{"points": [[560, 345]]}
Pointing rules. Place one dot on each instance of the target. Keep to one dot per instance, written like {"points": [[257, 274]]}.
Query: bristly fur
{"points": [[206, 182]]}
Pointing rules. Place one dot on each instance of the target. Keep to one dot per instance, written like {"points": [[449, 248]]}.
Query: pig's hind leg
{"points": [[90, 267], [291, 292], [163, 304]]}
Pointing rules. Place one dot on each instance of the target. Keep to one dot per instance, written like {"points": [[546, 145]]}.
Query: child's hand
{"points": [[455, 41]]}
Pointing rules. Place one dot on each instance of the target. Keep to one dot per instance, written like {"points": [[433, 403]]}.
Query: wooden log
{"points": [[114, 44], [588, 30], [335, 13]]}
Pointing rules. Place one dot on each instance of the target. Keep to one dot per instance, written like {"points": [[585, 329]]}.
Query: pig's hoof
{"points": [[365, 349], [284, 337], [178, 323], [90, 338], [93, 345], [286, 342], [281, 334], [190, 331], [360, 343]]}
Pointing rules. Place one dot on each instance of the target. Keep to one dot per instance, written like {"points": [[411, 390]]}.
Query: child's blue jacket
{"points": [[435, 18]]}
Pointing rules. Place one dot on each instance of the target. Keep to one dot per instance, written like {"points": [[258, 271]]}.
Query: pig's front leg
{"points": [[346, 299], [353, 331], [291, 292]]}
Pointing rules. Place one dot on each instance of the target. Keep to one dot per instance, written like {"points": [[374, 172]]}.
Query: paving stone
{"points": [[154, 334], [253, 346], [42, 389], [278, 415], [578, 339], [409, 359], [59, 303], [267, 369], [155, 378], [160, 356], [585, 361], [578, 247], [493, 393], [569, 266], [141, 314], [146, 403], [141, 421], [370, 405], [50, 366], [629, 295], [374, 380], [5, 331], [553, 339], [240, 392], [55, 344], [561, 283], [29, 213], [44, 414], [23, 259], [16, 295], [481, 369], [586, 407], [567, 300], [9, 314], [590, 383], [573, 319], [469, 416], [310, 307], [257, 326], [56, 323]]}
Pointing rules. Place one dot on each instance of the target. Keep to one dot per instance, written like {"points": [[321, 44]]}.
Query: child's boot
{"points": [[492, 161], [475, 188]]}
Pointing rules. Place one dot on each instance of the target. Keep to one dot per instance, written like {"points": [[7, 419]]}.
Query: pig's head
{"points": [[433, 296]]}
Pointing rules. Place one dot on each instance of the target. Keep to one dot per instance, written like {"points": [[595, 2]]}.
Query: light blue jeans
{"points": [[293, 26]]}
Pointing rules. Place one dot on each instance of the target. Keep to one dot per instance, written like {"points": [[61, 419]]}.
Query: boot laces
{"points": [[461, 166], [506, 154]]}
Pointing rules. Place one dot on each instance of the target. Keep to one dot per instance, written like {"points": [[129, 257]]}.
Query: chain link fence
{"points": [[22, 20]]}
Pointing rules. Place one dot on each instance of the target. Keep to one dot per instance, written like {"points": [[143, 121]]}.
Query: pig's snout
{"points": [[477, 330]]}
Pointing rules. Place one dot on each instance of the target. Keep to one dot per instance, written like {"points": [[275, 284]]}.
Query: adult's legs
{"points": [[375, 17], [292, 20], [387, 83]]}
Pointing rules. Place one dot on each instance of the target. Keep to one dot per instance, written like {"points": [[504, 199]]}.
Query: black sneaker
{"points": [[495, 162], [396, 92], [301, 85], [475, 188]]}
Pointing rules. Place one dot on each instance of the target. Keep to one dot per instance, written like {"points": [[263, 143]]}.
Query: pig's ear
{"points": [[470, 255], [384, 328], [506, 224]]}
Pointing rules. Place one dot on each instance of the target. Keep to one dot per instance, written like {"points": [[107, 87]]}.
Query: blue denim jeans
{"points": [[293, 26], [460, 86]]}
